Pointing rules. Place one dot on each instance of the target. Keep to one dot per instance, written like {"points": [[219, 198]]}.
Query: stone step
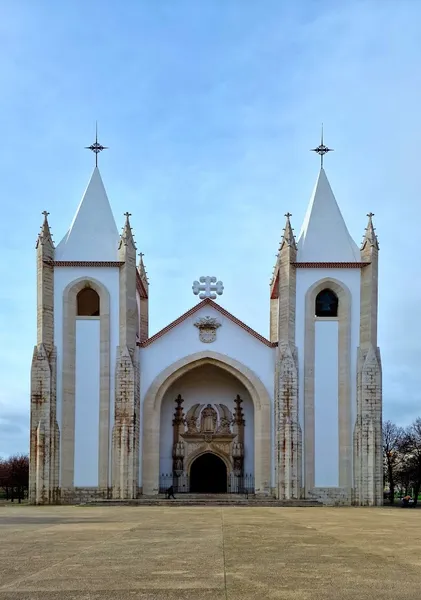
{"points": [[205, 501]]}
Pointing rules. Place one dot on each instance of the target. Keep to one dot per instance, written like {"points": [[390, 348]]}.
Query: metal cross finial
{"points": [[45, 213], [288, 215], [207, 285], [370, 214], [127, 214], [322, 149], [141, 254], [96, 147]]}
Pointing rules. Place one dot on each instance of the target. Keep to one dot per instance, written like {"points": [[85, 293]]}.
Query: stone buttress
{"points": [[368, 465], [143, 294], [288, 434], [44, 431], [125, 436]]}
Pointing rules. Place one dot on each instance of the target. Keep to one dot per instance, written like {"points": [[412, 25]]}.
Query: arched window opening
{"points": [[87, 303], [326, 304]]}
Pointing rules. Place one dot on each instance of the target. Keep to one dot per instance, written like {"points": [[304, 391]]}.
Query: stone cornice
{"points": [[314, 265], [84, 263], [98, 263], [330, 265]]}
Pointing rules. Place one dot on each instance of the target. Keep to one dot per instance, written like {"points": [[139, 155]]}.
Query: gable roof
{"points": [[225, 313]]}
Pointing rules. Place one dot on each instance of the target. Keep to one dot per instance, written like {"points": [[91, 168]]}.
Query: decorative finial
{"points": [[288, 234], [96, 147], [370, 233], [207, 286], [127, 215], [45, 233], [322, 150]]}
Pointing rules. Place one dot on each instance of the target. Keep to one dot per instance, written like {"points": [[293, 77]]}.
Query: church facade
{"points": [[207, 404]]}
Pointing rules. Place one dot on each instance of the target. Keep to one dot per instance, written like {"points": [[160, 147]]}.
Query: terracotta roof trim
{"points": [[225, 313], [330, 265], [84, 263], [101, 263]]}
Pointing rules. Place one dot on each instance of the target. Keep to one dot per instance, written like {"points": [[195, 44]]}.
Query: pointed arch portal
{"points": [[208, 474], [152, 417]]}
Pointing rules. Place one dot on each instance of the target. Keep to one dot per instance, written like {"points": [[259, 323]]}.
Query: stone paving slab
{"points": [[209, 553]]}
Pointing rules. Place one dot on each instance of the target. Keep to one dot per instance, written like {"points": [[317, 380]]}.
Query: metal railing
{"points": [[180, 484], [241, 484], [236, 484]]}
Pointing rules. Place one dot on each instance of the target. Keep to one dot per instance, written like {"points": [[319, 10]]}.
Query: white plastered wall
{"points": [[306, 278], [87, 402], [326, 409], [231, 340], [109, 277]]}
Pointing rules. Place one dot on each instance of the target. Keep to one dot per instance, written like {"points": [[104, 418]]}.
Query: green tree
{"points": [[393, 456], [14, 476], [411, 446]]}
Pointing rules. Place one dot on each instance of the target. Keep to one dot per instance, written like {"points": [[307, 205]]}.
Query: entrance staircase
{"points": [[205, 500]]}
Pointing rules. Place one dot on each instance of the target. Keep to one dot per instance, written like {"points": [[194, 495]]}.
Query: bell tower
{"points": [[323, 317]]}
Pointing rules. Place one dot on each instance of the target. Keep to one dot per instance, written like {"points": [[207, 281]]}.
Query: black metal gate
{"points": [[236, 484]]}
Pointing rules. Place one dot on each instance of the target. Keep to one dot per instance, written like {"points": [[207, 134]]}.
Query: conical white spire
{"points": [[93, 234], [324, 237]]}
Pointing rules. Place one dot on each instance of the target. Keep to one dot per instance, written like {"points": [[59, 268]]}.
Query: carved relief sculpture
{"points": [[238, 446], [193, 417], [238, 456], [178, 445], [207, 327], [226, 420], [208, 428], [208, 420], [178, 456]]}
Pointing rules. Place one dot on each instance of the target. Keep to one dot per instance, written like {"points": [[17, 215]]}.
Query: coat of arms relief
{"points": [[207, 327]]}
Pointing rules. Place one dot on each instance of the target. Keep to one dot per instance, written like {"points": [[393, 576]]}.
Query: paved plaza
{"points": [[212, 553]]}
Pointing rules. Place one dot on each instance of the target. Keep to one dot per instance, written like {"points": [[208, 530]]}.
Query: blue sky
{"points": [[209, 108]]}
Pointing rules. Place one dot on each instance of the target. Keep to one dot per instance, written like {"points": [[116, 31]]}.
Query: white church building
{"points": [[207, 404]]}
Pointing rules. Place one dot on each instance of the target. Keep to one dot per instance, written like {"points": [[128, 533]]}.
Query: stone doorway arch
{"points": [[152, 417], [208, 474]]}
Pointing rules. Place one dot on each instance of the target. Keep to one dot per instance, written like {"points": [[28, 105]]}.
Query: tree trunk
{"points": [[391, 493], [416, 492], [391, 482]]}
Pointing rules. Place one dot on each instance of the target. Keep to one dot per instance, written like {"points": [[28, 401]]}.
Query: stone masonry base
{"points": [[331, 496], [79, 495]]}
